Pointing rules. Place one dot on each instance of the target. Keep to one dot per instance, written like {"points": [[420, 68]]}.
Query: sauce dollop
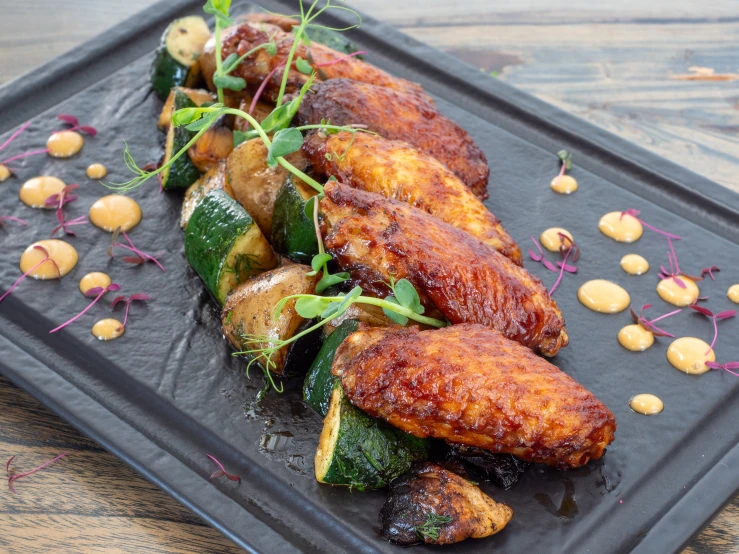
{"points": [[63, 254], [108, 329], [620, 227], [671, 292], [635, 338], [4, 173], [551, 240], [565, 184], [689, 355], [93, 280], [36, 191], [603, 296], [646, 404], [634, 264], [64, 144], [113, 211], [96, 171], [733, 293]]}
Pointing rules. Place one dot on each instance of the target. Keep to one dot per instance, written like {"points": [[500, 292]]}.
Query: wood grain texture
{"points": [[608, 62]]}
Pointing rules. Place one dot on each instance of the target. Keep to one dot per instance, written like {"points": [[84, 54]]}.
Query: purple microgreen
{"points": [[715, 318], [710, 271], [568, 268], [140, 257], [261, 88], [649, 325], [24, 155], [65, 225], [635, 214], [74, 122], [4, 218], [222, 471], [728, 366], [540, 257], [139, 296], [563, 265], [549, 265], [100, 294], [12, 137], [64, 197], [20, 279], [17, 476]]}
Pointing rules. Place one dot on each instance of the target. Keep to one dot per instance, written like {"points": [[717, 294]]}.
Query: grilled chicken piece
{"points": [[433, 505], [376, 238], [395, 169], [397, 115], [470, 385], [245, 36]]}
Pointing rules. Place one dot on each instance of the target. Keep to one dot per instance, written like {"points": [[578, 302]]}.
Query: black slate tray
{"points": [[169, 392]]}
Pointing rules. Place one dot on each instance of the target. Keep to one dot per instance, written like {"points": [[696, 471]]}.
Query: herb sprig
{"points": [[715, 318], [648, 324], [431, 528]]}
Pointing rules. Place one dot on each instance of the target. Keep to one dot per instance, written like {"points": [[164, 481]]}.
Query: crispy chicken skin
{"points": [[397, 115], [397, 170], [243, 37], [433, 505], [376, 238], [468, 384]]}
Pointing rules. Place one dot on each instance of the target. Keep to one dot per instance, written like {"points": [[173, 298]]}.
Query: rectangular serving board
{"points": [[169, 391]]}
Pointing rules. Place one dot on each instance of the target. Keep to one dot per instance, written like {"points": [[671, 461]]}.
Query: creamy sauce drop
{"points": [[96, 171], [93, 280], [634, 264], [113, 211], [108, 329], [64, 144], [603, 296], [646, 404], [621, 229], [733, 293], [671, 292], [551, 240], [4, 173], [61, 252], [564, 184], [635, 338], [36, 191], [689, 355]]}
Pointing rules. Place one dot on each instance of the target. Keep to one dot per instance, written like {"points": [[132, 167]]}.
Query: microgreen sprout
{"points": [[17, 476], [648, 324], [565, 160], [140, 256], [15, 134], [326, 308], [675, 273], [75, 125], [709, 271], [46, 258], [728, 366], [320, 261], [4, 218], [139, 296], [96, 293], [540, 256], [431, 528], [65, 197], [222, 471], [11, 138], [715, 318], [635, 214], [568, 250]]}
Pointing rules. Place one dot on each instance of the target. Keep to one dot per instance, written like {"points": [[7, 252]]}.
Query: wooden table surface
{"points": [[662, 74]]}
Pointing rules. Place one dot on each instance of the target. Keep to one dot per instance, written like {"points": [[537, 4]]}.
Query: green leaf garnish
{"points": [[230, 82], [407, 296], [303, 66], [566, 158], [240, 136], [285, 141]]}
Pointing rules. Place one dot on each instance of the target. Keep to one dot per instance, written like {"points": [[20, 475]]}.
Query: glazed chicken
{"points": [[468, 384], [376, 238], [433, 505], [397, 115], [328, 63], [397, 170]]}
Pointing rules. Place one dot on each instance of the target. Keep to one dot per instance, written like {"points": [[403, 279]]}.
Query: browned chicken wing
{"points": [[245, 36], [376, 238], [468, 384], [433, 505], [397, 115], [397, 170]]}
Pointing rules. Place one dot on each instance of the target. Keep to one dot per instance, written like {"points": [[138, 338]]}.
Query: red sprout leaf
{"points": [[74, 122], [649, 325], [635, 214], [549, 265], [88, 130], [139, 296], [100, 294], [4, 218], [69, 119], [140, 257], [535, 257], [715, 318], [341, 59], [222, 471], [7, 464], [540, 257], [726, 315], [17, 476], [568, 268], [701, 309], [728, 366], [710, 271], [27, 273]]}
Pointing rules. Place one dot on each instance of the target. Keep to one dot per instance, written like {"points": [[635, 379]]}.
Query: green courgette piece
{"points": [[332, 39], [293, 232], [358, 451], [224, 245], [319, 382], [182, 173], [176, 60]]}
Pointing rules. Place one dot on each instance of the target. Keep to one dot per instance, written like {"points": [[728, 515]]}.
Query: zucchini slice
{"points": [[358, 451], [215, 179], [293, 232], [198, 96], [182, 173], [176, 60], [224, 245], [319, 382], [248, 309]]}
